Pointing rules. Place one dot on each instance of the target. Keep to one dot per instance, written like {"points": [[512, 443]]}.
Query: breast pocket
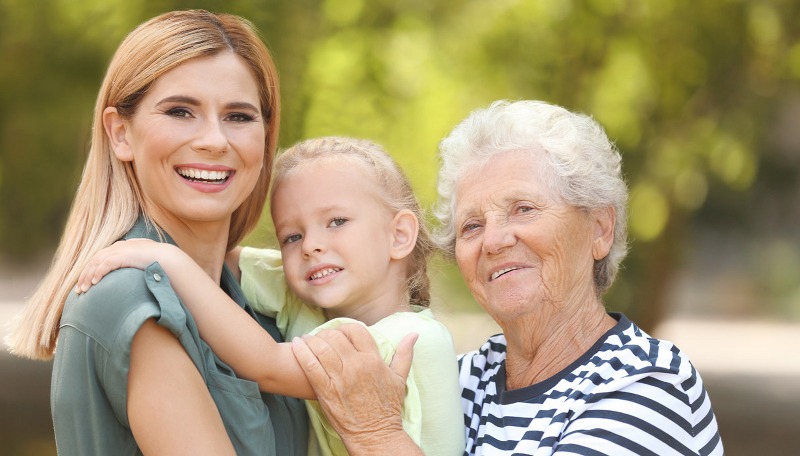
{"points": [[245, 415]]}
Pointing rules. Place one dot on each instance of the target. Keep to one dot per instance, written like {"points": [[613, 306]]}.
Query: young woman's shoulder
{"points": [[118, 304]]}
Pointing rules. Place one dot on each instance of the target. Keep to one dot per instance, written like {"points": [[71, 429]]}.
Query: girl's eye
{"points": [[338, 221], [292, 238], [241, 117], [179, 112]]}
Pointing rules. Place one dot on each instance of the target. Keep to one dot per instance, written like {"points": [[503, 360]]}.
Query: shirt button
{"points": [[157, 277]]}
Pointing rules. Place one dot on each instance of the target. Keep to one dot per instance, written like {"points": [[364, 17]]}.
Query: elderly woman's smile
{"points": [[516, 234]]}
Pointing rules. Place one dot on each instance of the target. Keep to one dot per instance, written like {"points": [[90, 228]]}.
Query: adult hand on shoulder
{"points": [[361, 396]]}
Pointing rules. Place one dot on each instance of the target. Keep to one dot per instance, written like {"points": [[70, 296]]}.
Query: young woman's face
{"points": [[196, 141], [335, 237]]}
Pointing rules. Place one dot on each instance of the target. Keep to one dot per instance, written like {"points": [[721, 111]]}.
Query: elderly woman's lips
{"points": [[497, 274]]}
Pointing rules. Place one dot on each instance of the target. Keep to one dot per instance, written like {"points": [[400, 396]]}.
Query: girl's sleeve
{"points": [[432, 414], [434, 375], [265, 288]]}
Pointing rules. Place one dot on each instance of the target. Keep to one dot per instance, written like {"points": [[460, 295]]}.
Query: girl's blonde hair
{"points": [[390, 178], [108, 200]]}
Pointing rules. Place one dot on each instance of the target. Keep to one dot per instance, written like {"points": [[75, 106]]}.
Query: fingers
{"points": [[104, 261], [317, 375], [329, 348], [358, 336], [401, 362]]}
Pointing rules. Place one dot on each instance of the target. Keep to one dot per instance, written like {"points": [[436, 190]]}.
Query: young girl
{"points": [[352, 248]]}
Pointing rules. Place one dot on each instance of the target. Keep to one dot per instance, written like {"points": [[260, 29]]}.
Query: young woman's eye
{"points": [[241, 117], [179, 112], [338, 221], [292, 238]]}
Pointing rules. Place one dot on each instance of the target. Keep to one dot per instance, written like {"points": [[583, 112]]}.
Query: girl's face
{"points": [[335, 236], [196, 141]]}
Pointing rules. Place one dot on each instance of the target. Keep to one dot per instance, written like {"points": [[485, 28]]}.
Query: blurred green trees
{"points": [[700, 96]]}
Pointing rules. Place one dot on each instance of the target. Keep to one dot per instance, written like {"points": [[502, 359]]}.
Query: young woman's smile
{"points": [[196, 141]]}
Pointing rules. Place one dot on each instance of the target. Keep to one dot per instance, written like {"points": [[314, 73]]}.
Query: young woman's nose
{"points": [[212, 138]]}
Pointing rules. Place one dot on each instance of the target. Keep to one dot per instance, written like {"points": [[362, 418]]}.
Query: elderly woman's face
{"points": [[197, 139], [519, 247]]}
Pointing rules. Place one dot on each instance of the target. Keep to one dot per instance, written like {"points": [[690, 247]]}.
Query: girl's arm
{"points": [[232, 334]]}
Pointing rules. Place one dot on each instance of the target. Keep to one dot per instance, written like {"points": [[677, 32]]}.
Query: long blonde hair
{"points": [[108, 200], [396, 190]]}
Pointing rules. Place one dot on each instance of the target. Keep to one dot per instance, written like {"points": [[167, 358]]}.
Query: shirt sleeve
{"points": [[264, 285], [644, 413]]}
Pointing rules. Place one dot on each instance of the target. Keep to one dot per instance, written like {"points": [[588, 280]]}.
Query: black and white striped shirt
{"points": [[629, 394]]}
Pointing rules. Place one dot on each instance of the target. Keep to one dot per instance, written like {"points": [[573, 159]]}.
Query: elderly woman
{"points": [[532, 203]]}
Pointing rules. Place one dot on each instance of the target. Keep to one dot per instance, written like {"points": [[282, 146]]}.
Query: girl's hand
{"points": [[133, 253]]}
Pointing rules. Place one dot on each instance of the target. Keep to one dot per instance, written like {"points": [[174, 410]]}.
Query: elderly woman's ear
{"points": [[604, 220]]}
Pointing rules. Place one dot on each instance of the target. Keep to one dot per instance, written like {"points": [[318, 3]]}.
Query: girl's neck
{"points": [[374, 311]]}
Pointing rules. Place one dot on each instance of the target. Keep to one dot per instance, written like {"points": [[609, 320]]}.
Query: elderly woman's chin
{"points": [[510, 299]]}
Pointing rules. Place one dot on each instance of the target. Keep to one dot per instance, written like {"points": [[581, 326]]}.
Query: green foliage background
{"points": [[701, 96]]}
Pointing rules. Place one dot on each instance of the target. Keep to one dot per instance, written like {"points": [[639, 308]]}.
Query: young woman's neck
{"points": [[205, 242]]}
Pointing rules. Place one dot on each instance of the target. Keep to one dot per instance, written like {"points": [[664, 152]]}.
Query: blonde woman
{"points": [[185, 128]]}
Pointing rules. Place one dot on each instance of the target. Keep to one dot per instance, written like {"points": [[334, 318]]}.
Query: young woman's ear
{"points": [[603, 236], [117, 131], [405, 227]]}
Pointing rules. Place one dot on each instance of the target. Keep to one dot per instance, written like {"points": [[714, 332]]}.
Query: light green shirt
{"points": [[432, 413], [89, 387]]}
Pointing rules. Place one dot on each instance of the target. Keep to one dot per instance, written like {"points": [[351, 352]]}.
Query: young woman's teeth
{"points": [[501, 272], [204, 175], [323, 273]]}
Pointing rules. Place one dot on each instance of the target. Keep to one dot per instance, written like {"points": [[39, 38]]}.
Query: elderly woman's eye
{"points": [[470, 227]]}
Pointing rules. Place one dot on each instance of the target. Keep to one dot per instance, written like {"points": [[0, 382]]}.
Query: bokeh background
{"points": [[701, 96]]}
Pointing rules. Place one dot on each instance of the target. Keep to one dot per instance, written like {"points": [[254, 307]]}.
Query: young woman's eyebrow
{"points": [[195, 102], [180, 99]]}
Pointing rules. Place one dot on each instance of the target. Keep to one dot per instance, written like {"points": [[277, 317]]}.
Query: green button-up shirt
{"points": [[90, 372]]}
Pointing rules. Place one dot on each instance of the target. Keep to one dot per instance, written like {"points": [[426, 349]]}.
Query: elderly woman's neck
{"points": [[552, 342]]}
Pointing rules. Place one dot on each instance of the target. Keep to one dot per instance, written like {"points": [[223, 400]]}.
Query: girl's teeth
{"points": [[323, 273]]}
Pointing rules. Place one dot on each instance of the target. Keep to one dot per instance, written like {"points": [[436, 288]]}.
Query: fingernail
{"points": [[94, 281]]}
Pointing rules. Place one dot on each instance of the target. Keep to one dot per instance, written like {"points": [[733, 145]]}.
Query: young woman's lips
{"points": [[207, 179]]}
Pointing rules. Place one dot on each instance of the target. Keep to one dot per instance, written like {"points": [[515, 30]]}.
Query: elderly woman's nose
{"points": [[497, 235], [212, 137]]}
